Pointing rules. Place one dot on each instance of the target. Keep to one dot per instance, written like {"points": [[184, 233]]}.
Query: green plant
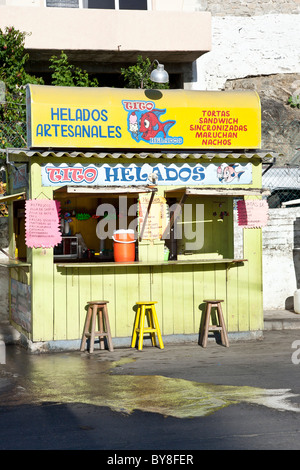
{"points": [[13, 60], [13, 80], [66, 74], [135, 74], [294, 101]]}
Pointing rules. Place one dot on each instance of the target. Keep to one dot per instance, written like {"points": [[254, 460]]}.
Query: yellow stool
{"points": [[139, 325], [97, 309], [221, 323]]}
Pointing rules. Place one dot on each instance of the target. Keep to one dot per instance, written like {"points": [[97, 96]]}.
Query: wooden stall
{"points": [[172, 166]]}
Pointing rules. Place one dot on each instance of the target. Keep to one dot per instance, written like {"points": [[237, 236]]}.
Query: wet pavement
{"points": [[181, 397]]}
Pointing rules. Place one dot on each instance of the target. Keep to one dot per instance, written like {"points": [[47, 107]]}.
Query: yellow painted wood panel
{"points": [[243, 297], [179, 291], [198, 295], [104, 279], [84, 291], [59, 303], [178, 295], [42, 295], [72, 326], [167, 300], [232, 298], [132, 280], [253, 251], [157, 293], [188, 313], [221, 288]]}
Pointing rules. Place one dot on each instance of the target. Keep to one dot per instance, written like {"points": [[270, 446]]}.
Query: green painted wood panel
{"points": [[179, 291], [253, 250], [59, 303]]}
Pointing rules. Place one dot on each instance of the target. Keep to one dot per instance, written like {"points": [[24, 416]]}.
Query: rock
{"points": [[280, 122]]}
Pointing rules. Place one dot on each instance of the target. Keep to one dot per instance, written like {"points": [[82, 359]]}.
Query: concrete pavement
{"points": [[246, 396]]}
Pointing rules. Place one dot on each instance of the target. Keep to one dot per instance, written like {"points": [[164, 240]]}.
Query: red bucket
{"points": [[124, 245]]}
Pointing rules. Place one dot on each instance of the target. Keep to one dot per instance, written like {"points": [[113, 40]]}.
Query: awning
{"points": [[26, 154], [13, 197], [105, 189], [237, 192]]}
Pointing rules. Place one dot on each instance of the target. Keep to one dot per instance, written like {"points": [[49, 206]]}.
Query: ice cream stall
{"points": [[131, 195]]}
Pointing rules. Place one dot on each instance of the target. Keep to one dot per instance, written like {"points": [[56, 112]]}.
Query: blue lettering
{"points": [[100, 133], [39, 130], [71, 132], [78, 115], [64, 130], [95, 115], [111, 131], [55, 128], [104, 115], [69, 115], [47, 128], [63, 114], [54, 114], [86, 131], [198, 173], [140, 177], [86, 114], [77, 131], [169, 177], [118, 132], [126, 174], [94, 131], [185, 170], [157, 171], [111, 173]]}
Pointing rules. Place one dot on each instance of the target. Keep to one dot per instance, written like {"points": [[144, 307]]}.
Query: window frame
{"points": [[80, 5]]}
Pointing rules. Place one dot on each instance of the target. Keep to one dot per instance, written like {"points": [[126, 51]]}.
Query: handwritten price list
{"points": [[156, 219], [252, 213], [42, 223]]}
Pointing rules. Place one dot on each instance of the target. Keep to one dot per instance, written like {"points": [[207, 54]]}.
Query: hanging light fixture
{"points": [[158, 74]]}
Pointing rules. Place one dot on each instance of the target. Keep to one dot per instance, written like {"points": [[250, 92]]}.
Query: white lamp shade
{"points": [[159, 75]]}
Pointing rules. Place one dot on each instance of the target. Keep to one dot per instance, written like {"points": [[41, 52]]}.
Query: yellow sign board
{"points": [[69, 117]]}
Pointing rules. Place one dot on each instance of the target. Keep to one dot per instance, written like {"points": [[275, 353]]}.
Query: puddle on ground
{"points": [[68, 379]]}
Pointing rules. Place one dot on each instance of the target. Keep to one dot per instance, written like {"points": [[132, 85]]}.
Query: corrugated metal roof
{"points": [[139, 155]]}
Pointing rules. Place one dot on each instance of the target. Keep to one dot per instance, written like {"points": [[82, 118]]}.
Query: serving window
{"points": [[177, 226], [200, 227], [88, 221]]}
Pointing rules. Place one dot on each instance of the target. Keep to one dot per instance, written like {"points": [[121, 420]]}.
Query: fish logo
{"points": [[144, 123], [227, 173], [151, 126]]}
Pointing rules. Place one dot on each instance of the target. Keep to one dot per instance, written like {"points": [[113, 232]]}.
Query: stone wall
{"points": [[250, 7], [247, 47], [259, 52], [281, 257]]}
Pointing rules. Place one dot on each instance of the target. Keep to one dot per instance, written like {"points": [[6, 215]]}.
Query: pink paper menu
{"points": [[42, 223], [252, 213]]}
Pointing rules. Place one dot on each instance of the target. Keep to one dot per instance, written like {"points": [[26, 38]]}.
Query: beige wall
{"points": [[70, 28]]}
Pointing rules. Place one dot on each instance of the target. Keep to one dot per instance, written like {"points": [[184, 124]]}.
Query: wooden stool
{"points": [[139, 325], [221, 324], [97, 308]]}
